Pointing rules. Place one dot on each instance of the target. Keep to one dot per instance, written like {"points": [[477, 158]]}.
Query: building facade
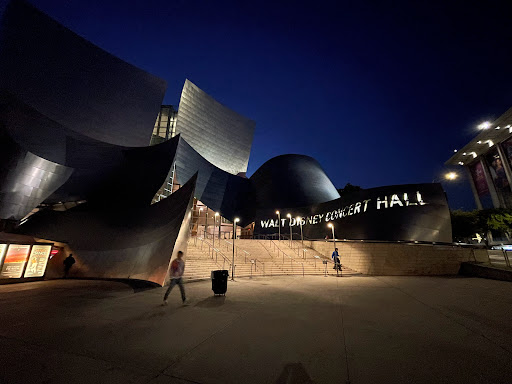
{"points": [[488, 161], [165, 124]]}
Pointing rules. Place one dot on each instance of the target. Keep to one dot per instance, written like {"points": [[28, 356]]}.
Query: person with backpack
{"points": [[336, 259]]}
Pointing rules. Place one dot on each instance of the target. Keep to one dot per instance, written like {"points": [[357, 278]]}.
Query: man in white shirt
{"points": [[177, 269]]}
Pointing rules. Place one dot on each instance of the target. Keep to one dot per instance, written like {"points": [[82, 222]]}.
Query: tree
{"points": [[465, 225], [349, 188], [497, 219]]}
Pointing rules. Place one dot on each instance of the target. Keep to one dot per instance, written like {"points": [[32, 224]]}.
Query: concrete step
{"points": [[261, 251], [486, 271]]}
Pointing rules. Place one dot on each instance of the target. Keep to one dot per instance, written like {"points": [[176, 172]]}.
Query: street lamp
{"points": [[451, 176], [299, 220], [331, 225], [290, 223], [234, 237], [198, 219], [215, 221], [279, 223], [448, 176], [205, 221]]}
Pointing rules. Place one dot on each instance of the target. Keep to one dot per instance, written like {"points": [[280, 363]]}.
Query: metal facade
{"points": [[220, 135], [219, 190], [26, 179], [412, 212], [292, 181], [73, 82], [133, 243]]}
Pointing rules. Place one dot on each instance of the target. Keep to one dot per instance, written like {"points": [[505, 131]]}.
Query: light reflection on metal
{"points": [[222, 136]]}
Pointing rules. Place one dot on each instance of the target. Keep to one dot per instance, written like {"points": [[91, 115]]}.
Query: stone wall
{"points": [[399, 259]]}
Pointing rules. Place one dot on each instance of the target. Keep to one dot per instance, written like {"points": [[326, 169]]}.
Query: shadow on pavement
{"points": [[211, 302], [294, 373], [136, 285]]}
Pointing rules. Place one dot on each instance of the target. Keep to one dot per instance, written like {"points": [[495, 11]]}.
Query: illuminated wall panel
{"points": [[37, 261], [14, 261]]}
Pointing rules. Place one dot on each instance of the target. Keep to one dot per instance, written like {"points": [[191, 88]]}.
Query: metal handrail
{"points": [[211, 250], [237, 248], [246, 255], [260, 265]]}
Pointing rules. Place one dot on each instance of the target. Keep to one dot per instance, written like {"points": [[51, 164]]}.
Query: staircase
{"points": [[255, 258], [198, 263], [281, 258]]}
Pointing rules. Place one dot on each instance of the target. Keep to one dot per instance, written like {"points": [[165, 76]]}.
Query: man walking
{"points": [[177, 269]]}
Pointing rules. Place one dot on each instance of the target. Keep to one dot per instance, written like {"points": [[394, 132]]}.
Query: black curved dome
{"points": [[292, 181]]}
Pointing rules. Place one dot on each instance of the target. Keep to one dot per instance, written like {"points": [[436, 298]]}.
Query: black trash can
{"points": [[220, 281]]}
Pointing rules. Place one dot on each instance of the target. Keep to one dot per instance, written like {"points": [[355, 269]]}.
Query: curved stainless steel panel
{"points": [[220, 135], [26, 179], [107, 175], [101, 170], [74, 82], [218, 189], [123, 242], [291, 181]]}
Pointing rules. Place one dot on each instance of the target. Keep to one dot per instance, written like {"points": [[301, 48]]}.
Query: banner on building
{"points": [[478, 175]]}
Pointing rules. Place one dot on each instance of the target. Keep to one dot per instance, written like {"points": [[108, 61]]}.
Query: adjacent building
{"points": [[488, 160]]}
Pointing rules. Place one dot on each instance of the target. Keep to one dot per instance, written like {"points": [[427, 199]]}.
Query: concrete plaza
{"points": [[265, 330]]}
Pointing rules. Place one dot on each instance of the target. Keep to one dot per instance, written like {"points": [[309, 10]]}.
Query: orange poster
{"points": [[14, 261]]}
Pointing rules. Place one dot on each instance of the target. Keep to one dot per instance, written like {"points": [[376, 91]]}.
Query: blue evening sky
{"points": [[379, 93]]}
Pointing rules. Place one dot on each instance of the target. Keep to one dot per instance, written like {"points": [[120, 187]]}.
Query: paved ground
{"points": [[267, 330]]}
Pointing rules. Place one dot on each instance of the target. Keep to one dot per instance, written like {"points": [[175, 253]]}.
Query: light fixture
{"points": [[490, 142], [464, 154], [461, 163], [498, 127], [479, 142], [474, 155], [484, 125], [450, 176], [455, 150]]}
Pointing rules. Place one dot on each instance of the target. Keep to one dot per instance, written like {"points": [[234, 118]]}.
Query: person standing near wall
{"points": [[68, 263], [177, 269]]}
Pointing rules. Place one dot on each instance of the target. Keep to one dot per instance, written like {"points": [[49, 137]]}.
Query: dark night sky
{"points": [[379, 94]]}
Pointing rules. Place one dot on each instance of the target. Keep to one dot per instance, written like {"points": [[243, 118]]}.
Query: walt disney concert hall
{"points": [[92, 163]]}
